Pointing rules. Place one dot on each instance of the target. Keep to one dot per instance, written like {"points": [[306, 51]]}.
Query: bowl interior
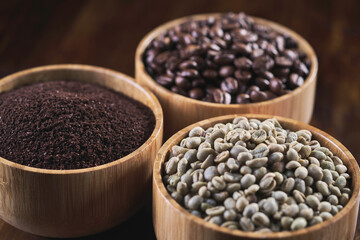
{"points": [[87, 74], [303, 45], [325, 140]]}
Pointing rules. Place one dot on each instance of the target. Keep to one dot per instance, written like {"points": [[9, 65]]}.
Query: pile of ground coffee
{"points": [[70, 125]]}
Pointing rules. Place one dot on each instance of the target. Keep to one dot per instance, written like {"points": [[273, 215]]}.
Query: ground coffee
{"points": [[70, 125]]}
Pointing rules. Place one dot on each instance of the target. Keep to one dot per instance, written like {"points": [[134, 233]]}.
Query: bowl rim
{"points": [[176, 138], [120, 77], [146, 40]]}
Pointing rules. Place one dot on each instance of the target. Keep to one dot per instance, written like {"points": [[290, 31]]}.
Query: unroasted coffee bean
{"points": [[71, 125], [206, 53], [256, 176]]}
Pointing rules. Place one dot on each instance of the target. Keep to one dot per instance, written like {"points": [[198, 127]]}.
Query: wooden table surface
{"points": [[106, 33]]}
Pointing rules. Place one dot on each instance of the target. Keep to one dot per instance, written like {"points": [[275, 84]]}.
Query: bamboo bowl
{"points": [[180, 111], [172, 221], [72, 203]]}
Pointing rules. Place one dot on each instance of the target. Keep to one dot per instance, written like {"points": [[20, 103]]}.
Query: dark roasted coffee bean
{"points": [[242, 75], [198, 83], [258, 96], [262, 83], [182, 82], [226, 71], [189, 73], [162, 57], [283, 61], [276, 86], [281, 72], [241, 48], [224, 59], [252, 88], [263, 63], [191, 50], [280, 43], [229, 85], [270, 95], [243, 63], [257, 53], [221, 96], [188, 64], [165, 80], [291, 54], [196, 93], [301, 68], [295, 81], [178, 90], [242, 98]]}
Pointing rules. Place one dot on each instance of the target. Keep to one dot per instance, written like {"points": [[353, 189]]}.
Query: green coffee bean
{"points": [[222, 168], [220, 196], [241, 203], [197, 132], [315, 220], [250, 209], [328, 177], [260, 151], [307, 213], [194, 202], [323, 188], [324, 207], [216, 220], [177, 196], [252, 189], [315, 172], [340, 182], [259, 136], [260, 219], [230, 215], [243, 157], [344, 198], [182, 188], [197, 185], [171, 165], [209, 161], [247, 180], [218, 183], [280, 196], [333, 200], [222, 157], [236, 150], [301, 172], [298, 223], [299, 196], [191, 155], [232, 164], [220, 145], [325, 216], [292, 165], [204, 192], [229, 203], [232, 187], [335, 190], [288, 185], [245, 170], [286, 222], [312, 201], [270, 206], [327, 165], [204, 153], [291, 155], [215, 211], [246, 224], [257, 162]]}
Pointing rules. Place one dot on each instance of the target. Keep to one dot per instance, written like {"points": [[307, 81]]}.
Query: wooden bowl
{"points": [[180, 111], [72, 203], [172, 221]]}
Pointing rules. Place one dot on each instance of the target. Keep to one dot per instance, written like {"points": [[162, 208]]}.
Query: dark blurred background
{"points": [[106, 33]]}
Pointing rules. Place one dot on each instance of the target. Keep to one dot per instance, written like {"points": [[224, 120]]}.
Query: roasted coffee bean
{"points": [[243, 63], [295, 81], [231, 45], [229, 85], [182, 82], [242, 98], [196, 93], [258, 96]]}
